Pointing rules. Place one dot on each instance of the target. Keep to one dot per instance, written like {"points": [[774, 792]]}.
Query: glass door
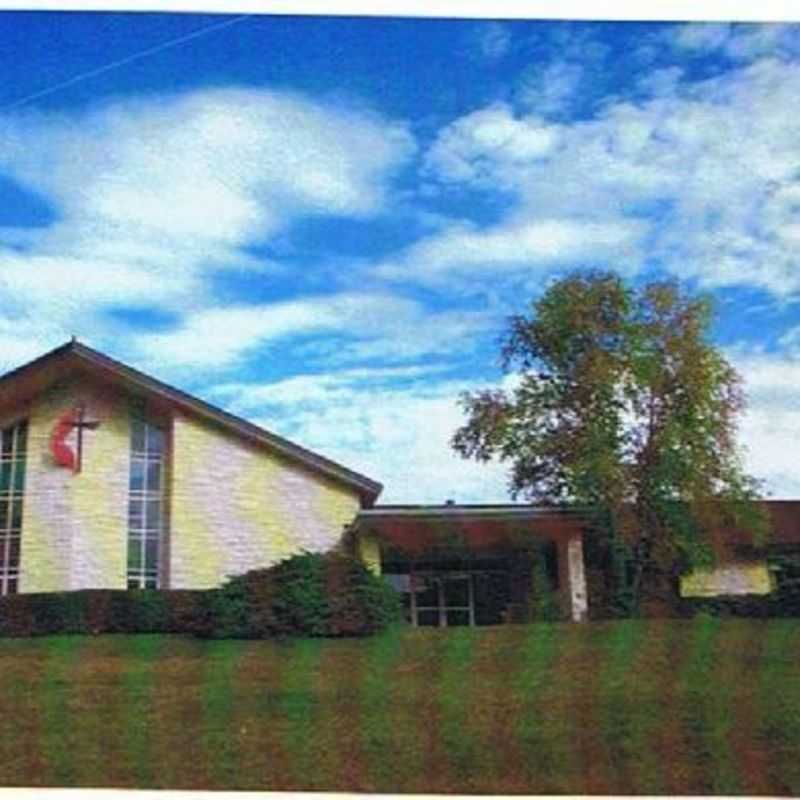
{"points": [[457, 607], [442, 600]]}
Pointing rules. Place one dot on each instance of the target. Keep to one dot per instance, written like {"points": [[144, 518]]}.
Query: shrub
{"points": [[310, 594], [307, 595], [100, 611]]}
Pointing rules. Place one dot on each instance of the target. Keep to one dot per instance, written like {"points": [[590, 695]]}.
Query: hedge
{"points": [[776, 604], [93, 611], [306, 595], [310, 594]]}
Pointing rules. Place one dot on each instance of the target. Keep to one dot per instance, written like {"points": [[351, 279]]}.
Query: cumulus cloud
{"points": [[472, 147], [706, 172]]}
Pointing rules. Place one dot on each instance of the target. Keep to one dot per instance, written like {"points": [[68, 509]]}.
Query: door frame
{"points": [[438, 579]]}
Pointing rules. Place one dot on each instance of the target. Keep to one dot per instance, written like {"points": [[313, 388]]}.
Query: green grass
{"points": [[140, 655], [779, 718], [219, 694], [705, 706], [382, 654], [300, 708], [56, 698]]}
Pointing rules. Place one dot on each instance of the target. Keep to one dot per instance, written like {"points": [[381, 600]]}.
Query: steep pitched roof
{"points": [[36, 375]]}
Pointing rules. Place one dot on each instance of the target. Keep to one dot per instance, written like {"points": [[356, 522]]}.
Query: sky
{"points": [[323, 224]]}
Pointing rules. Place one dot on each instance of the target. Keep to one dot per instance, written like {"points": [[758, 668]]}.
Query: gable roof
{"points": [[38, 374]]}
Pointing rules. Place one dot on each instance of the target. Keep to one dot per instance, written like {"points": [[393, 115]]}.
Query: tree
{"points": [[624, 407]]}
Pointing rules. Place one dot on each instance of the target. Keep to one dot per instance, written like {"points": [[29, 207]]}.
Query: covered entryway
{"points": [[453, 591], [477, 565]]}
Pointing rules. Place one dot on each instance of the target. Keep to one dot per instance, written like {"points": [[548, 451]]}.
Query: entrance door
{"points": [[443, 600], [457, 599]]}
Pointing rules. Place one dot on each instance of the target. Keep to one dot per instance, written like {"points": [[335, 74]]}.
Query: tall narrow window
{"points": [[145, 505], [13, 441]]}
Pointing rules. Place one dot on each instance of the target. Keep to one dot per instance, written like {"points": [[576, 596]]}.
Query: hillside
{"points": [[654, 707]]}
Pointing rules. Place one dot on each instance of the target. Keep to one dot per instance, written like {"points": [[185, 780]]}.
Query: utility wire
{"points": [[127, 60]]}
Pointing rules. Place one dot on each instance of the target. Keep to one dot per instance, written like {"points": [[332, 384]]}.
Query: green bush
{"points": [[310, 594], [100, 611], [307, 595]]}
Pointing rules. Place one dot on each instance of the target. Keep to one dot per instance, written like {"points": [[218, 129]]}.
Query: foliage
{"points": [[310, 594], [544, 598], [99, 611], [622, 406]]}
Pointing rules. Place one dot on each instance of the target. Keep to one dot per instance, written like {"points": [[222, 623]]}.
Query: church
{"points": [[111, 479]]}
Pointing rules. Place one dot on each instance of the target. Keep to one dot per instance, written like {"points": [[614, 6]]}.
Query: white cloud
{"points": [[739, 42], [790, 341], [470, 148], [550, 90], [517, 246], [311, 389], [754, 41], [712, 168], [224, 165], [66, 289], [659, 82], [770, 427], [152, 195], [357, 326], [22, 339], [398, 435], [219, 336]]}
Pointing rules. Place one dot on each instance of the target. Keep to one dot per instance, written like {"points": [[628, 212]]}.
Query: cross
{"points": [[80, 423]]}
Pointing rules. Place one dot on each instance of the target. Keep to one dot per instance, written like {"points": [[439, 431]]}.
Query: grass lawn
{"points": [[705, 706]]}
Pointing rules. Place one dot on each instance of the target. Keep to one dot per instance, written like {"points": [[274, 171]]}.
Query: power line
{"points": [[127, 60]]}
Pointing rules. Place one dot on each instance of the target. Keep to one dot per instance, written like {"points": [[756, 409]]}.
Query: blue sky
{"points": [[322, 224]]}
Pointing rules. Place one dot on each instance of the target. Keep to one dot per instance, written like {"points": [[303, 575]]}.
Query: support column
{"points": [[570, 556], [368, 549]]}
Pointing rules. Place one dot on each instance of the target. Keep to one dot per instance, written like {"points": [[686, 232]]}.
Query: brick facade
{"points": [[74, 527], [237, 507], [232, 505]]}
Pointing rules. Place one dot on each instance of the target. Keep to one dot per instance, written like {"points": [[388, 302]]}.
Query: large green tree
{"points": [[623, 406]]}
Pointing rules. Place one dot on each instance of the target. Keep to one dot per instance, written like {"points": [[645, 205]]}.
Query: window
{"points": [[445, 593], [13, 442], [146, 513]]}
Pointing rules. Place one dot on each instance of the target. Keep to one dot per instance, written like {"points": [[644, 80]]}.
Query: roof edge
{"points": [[368, 488], [470, 510]]}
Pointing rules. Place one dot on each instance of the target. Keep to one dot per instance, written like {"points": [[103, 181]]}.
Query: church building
{"points": [[111, 479]]}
